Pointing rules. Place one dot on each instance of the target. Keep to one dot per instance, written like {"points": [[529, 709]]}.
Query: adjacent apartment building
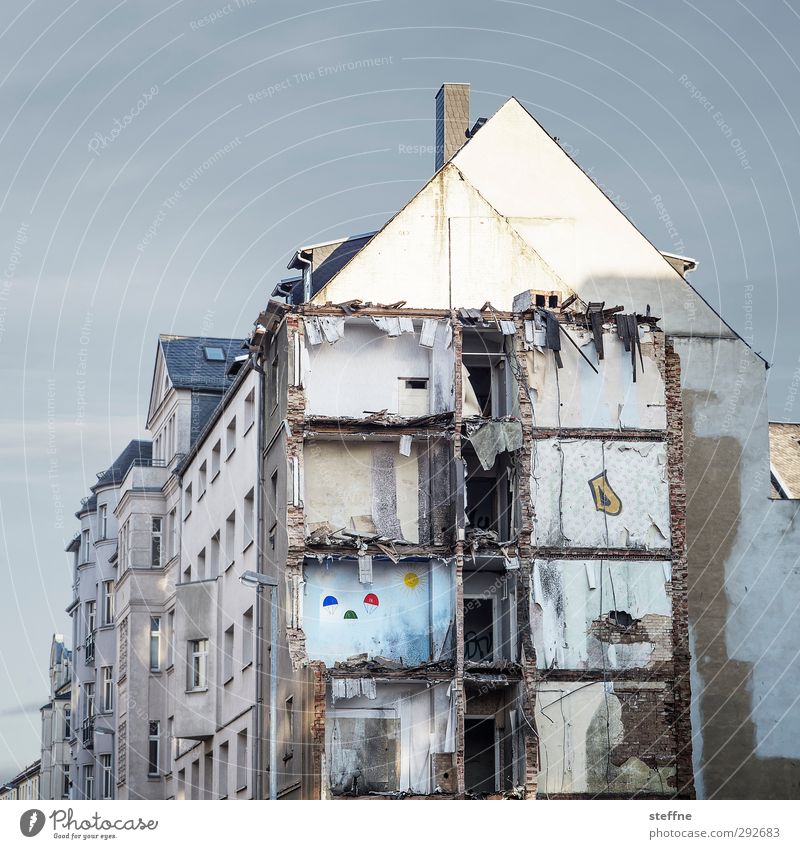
{"points": [[54, 778], [186, 626], [94, 635]]}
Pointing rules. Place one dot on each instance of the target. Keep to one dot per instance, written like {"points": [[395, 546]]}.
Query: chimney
{"points": [[452, 120]]}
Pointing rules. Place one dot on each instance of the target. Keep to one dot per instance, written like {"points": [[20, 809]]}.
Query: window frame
{"points": [[108, 602], [155, 643], [154, 749], [102, 521], [198, 664], [107, 685], [156, 537], [106, 763]]}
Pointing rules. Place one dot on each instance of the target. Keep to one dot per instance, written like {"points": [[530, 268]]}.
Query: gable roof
{"points": [[181, 363], [189, 368], [558, 211]]}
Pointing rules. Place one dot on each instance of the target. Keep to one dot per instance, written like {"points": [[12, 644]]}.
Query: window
{"points": [[227, 659], [198, 669], [187, 501], [171, 637], [230, 437], [213, 556], [85, 545], [173, 753], [249, 518], [108, 602], [107, 679], [88, 781], [172, 530], [181, 789], [216, 453], [153, 747], [412, 396], [214, 354], [241, 760], [230, 539], [90, 618], [201, 566], [202, 478], [222, 772], [156, 527], [273, 491], [249, 409], [247, 637], [103, 521], [67, 723], [107, 777], [155, 643], [88, 700], [195, 785], [124, 546], [67, 784], [289, 735]]}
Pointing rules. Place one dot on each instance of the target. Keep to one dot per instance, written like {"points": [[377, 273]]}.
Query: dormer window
{"points": [[214, 354]]}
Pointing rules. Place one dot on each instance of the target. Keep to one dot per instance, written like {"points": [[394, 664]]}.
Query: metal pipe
{"points": [[273, 694], [259, 703]]}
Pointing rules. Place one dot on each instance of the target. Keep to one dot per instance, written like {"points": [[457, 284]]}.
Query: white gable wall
{"points": [[560, 212]]}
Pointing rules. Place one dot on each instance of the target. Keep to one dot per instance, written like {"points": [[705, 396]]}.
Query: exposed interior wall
{"points": [[403, 613], [577, 396], [341, 380], [601, 614], [350, 484], [605, 737], [600, 493], [388, 742]]}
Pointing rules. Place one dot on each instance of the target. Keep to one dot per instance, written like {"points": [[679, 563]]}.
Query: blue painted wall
{"points": [[415, 601]]}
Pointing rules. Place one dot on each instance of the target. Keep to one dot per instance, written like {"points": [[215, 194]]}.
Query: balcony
{"points": [[87, 733], [89, 650]]}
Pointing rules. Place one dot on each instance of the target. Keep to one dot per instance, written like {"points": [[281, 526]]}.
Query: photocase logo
{"points": [[31, 822]]}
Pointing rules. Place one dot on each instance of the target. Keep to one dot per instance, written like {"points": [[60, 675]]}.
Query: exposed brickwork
{"points": [[461, 701], [681, 720], [319, 689], [526, 507]]}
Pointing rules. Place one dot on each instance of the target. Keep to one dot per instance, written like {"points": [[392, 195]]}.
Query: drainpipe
{"points": [[259, 704], [273, 693]]}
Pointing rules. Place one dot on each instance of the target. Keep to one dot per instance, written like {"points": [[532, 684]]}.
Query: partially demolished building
{"points": [[480, 532]]}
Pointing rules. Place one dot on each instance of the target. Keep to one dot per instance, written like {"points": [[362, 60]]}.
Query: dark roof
{"points": [[326, 261], [203, 406], [189, 367], [137, 449]]}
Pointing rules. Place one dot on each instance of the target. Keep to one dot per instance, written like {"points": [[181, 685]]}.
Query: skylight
{"points": [[214, 355]]}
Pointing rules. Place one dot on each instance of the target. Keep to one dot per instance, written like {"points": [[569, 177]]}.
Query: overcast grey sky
{"points": [[687, 113]]}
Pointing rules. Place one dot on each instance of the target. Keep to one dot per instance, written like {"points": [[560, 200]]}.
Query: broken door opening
{"points": [[488, 386]]}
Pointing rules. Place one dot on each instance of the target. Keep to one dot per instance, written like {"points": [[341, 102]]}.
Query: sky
{"points": [[160, 161]]}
